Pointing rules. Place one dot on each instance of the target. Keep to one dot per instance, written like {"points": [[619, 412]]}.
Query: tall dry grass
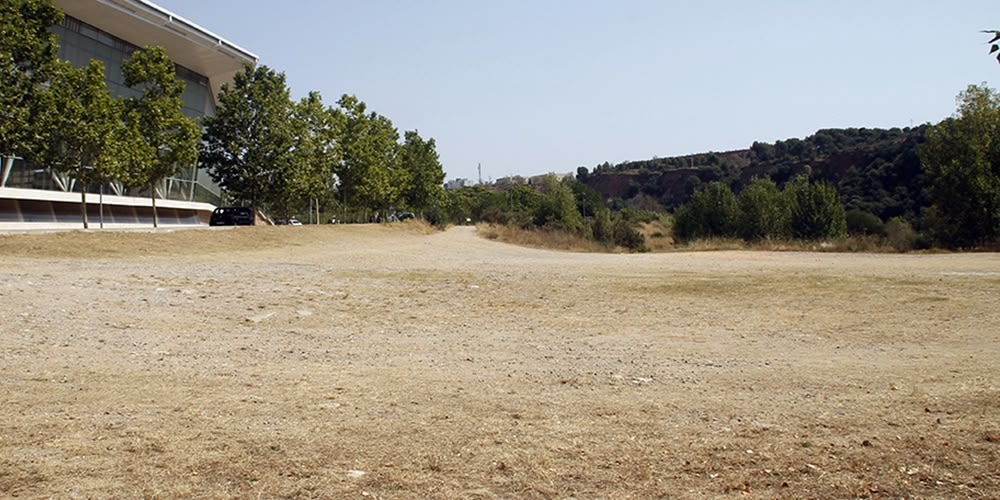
{"points": [[542, 238], [660, 240], [853, 244]]}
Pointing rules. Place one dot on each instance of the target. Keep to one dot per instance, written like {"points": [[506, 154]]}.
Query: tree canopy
{"points": [[27, 58], [169, 138], [804, 210], [369, 173], [420, 162], [314, 154], [274, 154], [248, 144], [85, 136], [962, 161]]}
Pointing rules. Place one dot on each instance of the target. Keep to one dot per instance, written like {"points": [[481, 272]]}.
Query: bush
{"points": [[815, 210], [627, 236], [685, 227], [601, 228], [860, 222], [638, 215], [900, 234], [436, 216], [712, 212], [961, 159], [556, 208], [763, 213]]}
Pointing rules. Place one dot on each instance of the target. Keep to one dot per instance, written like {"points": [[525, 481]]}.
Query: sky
{"points": [[527, 87]]}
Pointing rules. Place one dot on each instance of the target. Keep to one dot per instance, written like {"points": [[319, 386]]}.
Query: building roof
{"points": [[144, 23]]}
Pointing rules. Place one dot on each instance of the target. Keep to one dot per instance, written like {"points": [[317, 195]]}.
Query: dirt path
{"points": [[363, 360]]}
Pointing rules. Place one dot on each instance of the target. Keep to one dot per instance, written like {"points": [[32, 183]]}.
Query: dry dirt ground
{"points": [[393, 362]]}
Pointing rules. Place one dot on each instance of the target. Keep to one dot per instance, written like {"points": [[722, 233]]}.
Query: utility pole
{"points": [[480, 168]]}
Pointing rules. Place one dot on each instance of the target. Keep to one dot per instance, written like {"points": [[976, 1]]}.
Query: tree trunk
{"points": [[152, 194], [83, 205]]}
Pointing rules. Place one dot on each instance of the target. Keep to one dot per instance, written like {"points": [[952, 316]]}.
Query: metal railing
{"points": [[16, 173]]}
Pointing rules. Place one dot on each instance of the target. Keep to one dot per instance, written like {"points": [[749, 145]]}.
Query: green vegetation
{"points": [[803, 210], [911, 187], [65, 118], [247, 146], [271, 153], [763, 212], [262, 148], [962, 162], [169, 139], [27, 60], [815, 211], [563, 206], [712, 213], [420, 164], [370, 173], [938, 184], [876, 170], [86, 137]]}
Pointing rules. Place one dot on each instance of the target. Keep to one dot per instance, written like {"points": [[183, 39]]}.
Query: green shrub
{"points": [[899, 234], [712, 212], [556, 208], [815, 210], [638, 215], [601, 228], [763, 213], [627, 236], [861, 222]]}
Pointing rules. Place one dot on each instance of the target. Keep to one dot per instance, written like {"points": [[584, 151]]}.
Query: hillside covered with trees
{"points": [[875, 170], [939, 181]]}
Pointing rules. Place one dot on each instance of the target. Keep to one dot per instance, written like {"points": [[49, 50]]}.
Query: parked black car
{"points": [[231, 216]]}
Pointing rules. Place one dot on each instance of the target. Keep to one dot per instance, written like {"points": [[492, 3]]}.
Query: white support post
{"points": [[8, 165], [65, 181]]}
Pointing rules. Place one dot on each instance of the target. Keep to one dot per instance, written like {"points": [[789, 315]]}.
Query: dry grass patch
{"points": [[541, 238], [659, 237], [382, 362], [852, 244], [176, 242]]}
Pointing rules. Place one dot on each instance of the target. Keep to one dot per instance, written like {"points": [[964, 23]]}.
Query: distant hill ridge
{"points": [[875, 170]]}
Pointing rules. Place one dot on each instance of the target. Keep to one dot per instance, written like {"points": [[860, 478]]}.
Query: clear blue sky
{"points": [[534, 86]]}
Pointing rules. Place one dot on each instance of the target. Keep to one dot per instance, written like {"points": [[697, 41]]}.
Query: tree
{"points": [[712, 212], [815, 210], [84, 135], [588, 201], [961, 158], [369, 174], [419, 159], [247, 144], [170, 138], [864, 223], [472, 203], [626, 235], [557, 207], [763, 213], [27, 56], [315, 129]]}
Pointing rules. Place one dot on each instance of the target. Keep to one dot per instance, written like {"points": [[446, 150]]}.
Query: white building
{"points": [[109, 31]]}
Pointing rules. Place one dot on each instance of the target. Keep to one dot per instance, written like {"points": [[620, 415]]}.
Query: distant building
{"points": [[458, 184], [109, 31], [539, 179]]}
